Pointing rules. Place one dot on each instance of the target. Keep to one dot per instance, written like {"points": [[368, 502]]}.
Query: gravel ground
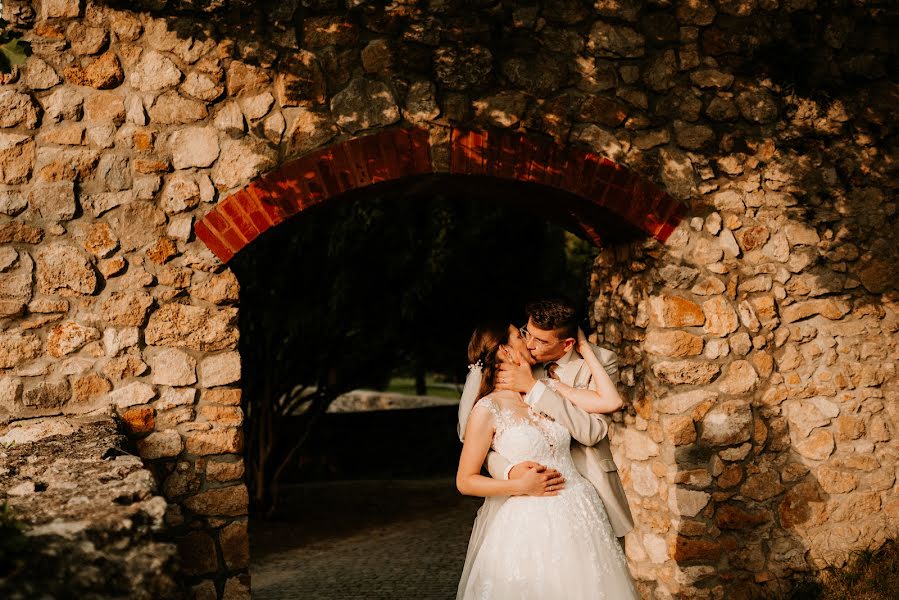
{"points": [[390, 540]]}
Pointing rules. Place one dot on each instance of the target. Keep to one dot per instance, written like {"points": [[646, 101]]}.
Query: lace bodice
{"points": [[525, 434]]}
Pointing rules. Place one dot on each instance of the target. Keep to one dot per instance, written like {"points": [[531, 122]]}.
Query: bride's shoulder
{"points": [[488, 403], [494, 401]]}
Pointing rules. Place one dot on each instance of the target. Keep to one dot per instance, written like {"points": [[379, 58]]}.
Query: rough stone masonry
{"points": [[758, 343]]}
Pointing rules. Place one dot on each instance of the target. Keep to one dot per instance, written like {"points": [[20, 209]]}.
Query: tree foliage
{"points": [[349, 294], [13, 51], [13, 543]]}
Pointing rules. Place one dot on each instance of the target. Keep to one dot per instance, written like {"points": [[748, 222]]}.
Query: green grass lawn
{"points": [[406, 385]]}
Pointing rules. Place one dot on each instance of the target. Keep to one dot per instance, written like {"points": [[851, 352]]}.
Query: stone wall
{"points": [[91, 517], [758, 343]]}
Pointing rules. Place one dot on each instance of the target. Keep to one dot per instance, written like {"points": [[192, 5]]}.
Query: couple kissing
{"points": [[534, 411]]}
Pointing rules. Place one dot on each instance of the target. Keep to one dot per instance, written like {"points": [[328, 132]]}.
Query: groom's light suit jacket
{"points": [[590, 448]]}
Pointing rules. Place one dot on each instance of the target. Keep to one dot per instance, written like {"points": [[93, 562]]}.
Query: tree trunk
{"points": [[421, 385]]}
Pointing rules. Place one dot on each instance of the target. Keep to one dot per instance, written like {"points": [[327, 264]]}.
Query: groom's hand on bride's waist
{"points": [[536, 479], [515, 375]]}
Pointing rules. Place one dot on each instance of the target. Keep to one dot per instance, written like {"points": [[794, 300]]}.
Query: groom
{"points": [[550, 336]]}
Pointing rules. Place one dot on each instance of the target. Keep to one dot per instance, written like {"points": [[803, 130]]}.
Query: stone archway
{"points": [[593, 195], [773, 307], [394, 154]]}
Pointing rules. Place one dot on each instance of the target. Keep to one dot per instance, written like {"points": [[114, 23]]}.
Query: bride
{"points": [[551, 547]]}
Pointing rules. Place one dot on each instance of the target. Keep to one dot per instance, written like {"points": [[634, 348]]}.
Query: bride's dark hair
{"points": [[483, 347]]}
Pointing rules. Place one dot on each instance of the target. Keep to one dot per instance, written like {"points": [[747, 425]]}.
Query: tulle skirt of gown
{"points": [[550, 548], [542, 548]]}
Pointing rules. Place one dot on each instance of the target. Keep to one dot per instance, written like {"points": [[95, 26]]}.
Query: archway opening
{"points": [[379, 290]]}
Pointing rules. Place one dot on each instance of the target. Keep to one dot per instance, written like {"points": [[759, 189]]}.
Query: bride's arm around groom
{"points": [[591, 451]]}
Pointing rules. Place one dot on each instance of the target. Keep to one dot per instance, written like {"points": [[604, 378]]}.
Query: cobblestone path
{"points": [[372, 540]]}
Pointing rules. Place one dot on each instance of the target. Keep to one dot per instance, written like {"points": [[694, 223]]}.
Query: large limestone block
{"points": [[85, 39], [227, 502], [173, 109], [34, 431], [126, 308], [721, 318], [53, 201], [817, 446], [86, 388], [686, 502], [64, 103], [733, 517], [224, 470], [693, 372], [18, 110], [217, 440], [100, 240], [10, 394], [220, 369], [202, 86], [222, 288], [300, 80], [739, 378], [60, 8], [307, 129], [63, 269], [170, 366], [638, 445], [677, 173], [256, 107], [189, 42], [16, 158], [102, 74], [12, 202], [616, 41], [137, 224], [181, 193], [803, 504], [198, 556], [727, 424], [643, 480], [675, 344], [161, 444], [675, 404], [762, 486], [194, 147], [243, 79], [132, 395], [234, 542], [804, 416], [68, 337], [227, 416], [242, 160], [16, 281], [364, 104], [826, 307], [154, 72], [184, 326], [174, 397], [675, 311], [47, 395]]}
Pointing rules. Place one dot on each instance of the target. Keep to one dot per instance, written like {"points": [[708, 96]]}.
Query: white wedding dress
{"points": [[550, 547]]}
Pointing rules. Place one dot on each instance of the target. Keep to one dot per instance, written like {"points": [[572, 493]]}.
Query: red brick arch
{"points": [[591, 180]]}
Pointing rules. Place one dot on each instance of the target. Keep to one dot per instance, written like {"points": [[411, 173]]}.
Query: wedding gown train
{"points": [[543, 548]]}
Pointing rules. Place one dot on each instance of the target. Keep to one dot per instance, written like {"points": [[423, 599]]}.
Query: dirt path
{"points": [[390, 540]]}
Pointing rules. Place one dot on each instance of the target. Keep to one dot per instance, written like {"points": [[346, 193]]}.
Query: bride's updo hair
{"points": [[483, 347]]}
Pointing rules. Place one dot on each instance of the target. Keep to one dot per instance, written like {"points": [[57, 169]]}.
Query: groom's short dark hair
{"points": [[557, 313]]}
